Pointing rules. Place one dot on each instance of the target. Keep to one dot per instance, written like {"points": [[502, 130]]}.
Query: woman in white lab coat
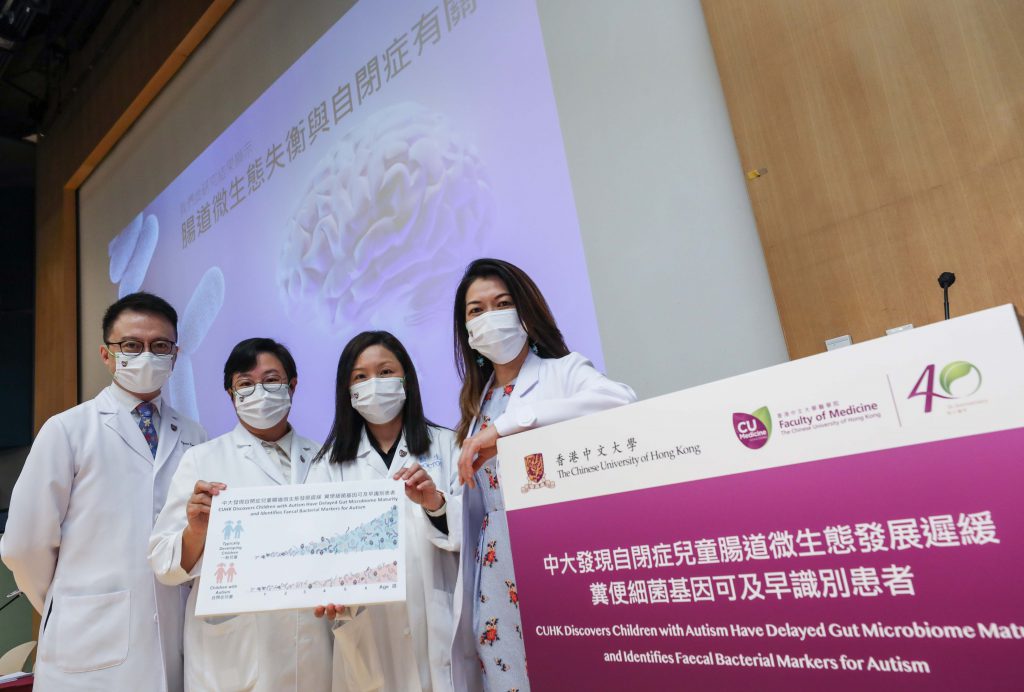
{"points": [[265, 652], [380, 431], [517, 374]]}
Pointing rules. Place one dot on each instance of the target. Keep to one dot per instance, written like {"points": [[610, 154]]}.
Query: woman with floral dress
{"points": [[517, 374]]}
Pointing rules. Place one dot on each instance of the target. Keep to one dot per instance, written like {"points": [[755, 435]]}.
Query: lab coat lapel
{"points": [[253, 451], [529, 376], [402, 457], [526, 382], [122, 423], [170, 433], [301, 455]]}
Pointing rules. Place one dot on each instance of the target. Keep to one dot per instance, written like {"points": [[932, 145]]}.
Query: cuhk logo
{"points": [[958, 380], [535, 473], [753, 429]]}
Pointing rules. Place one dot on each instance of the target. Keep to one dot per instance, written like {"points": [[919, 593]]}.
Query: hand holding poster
{"points": [[844, 521], [299, 546]]}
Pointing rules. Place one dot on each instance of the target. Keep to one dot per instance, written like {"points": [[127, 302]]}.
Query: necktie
{"points": [[145, 410]]}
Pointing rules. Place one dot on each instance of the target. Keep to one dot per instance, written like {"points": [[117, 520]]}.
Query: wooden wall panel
{"points": [[893, 135]]}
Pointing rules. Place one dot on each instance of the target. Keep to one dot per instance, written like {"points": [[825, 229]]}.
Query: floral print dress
{"points": [[496, 618]]}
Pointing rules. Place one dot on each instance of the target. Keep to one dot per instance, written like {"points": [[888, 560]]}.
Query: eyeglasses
{"points": [[248, 389], [133, 347]]}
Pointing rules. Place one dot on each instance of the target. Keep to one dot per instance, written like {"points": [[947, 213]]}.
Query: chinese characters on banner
{"points": [[941, 531]]}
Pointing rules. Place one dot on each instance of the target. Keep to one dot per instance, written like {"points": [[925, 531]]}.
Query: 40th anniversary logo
{"points": [[957, 380]]}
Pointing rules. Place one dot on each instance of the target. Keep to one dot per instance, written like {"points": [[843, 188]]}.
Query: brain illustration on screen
{"points": [[130, 252], [388, 221]]}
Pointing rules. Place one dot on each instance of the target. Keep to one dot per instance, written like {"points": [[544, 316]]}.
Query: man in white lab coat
{"points": [[273, 651], [82, 511]]}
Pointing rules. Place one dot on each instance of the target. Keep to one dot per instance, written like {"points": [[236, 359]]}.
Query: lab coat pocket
{"points": [[230, 655], [357, 665], [92, 631]]}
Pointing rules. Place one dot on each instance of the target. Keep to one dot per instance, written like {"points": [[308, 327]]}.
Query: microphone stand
{"points": [[946, 279]]}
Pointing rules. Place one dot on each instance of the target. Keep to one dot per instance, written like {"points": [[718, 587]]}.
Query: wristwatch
{"points": [[440, 511]]}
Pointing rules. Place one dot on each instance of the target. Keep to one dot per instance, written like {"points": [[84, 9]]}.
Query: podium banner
{"points": [[847, 520]]}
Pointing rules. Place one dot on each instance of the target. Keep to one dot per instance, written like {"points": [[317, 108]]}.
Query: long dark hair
{"points": [[343, 442], [533, 312]]}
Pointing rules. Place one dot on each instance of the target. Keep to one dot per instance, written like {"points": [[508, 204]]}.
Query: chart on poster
{"points": [[281, 547]]}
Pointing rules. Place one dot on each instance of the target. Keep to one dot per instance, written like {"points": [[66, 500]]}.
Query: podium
{"points": [[843, 521]]}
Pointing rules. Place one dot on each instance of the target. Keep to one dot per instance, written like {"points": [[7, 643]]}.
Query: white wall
{"points": [[679, 279], [678, 274]]}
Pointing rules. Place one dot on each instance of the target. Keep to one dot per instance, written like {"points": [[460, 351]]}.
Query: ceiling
{"points": [[38, 42]]}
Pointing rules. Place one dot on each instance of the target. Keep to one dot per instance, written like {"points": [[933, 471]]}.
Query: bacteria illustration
{"points": [[200, 313], [130, 253]]}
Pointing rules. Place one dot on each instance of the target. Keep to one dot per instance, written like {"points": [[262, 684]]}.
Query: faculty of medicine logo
{"points": [[753, 429], [958, 379], [535, 473]]}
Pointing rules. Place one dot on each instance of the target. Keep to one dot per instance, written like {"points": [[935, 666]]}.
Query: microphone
{"points": [[12, 597], [946, 279]]}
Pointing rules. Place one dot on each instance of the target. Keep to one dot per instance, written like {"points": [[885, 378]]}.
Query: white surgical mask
{"points": [[143, 373], [380, 399], [263, 409], [497, 335]]}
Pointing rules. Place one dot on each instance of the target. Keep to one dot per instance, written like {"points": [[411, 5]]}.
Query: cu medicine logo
{"points": [[958, 380], [753, 429]]}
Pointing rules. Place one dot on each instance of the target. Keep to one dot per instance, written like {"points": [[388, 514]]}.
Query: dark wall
{"points": [[17, 291]]}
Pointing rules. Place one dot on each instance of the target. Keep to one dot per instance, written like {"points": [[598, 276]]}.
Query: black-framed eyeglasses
{"points": [[133, 347], [248, 389]]}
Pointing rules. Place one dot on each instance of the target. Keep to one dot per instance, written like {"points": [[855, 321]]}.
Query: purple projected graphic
{"points": [[413, 137], [400, 196]]}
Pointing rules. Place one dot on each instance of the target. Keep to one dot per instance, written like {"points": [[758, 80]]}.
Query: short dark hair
{"points": [[347, 429], [139, 302], [244, 354]]}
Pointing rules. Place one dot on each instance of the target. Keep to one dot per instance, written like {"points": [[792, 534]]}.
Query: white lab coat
{"points": [[548, 390], [264, 652], [77, 540], [401, 647]]}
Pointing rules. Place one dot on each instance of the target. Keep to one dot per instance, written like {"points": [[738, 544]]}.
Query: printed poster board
{"points": [[298, 546], [848, 521]]}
